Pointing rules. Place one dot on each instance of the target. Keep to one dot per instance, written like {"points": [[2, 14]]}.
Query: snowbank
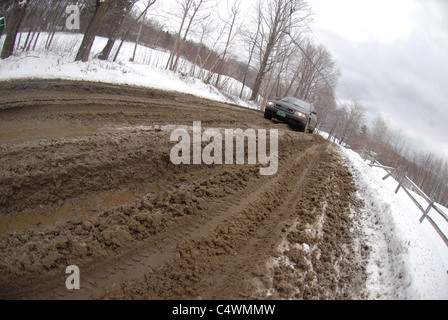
{"points": [[146, 71], [52, 66], [408, 260]]}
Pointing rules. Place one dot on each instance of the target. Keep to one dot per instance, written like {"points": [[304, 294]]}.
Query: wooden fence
{"points": [[404, 183]]}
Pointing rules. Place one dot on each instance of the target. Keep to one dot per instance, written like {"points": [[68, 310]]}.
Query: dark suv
{"points": [[295, 112]]}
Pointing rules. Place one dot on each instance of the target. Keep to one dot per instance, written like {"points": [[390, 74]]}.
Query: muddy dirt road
{"points": [[86, 180]]}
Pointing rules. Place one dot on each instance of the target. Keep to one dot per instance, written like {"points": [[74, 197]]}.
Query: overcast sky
{"points": [[393, 55]]}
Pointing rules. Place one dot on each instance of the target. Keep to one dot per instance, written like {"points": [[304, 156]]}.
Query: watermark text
{"points": [[72, 22], [73, 280], [189, 149]]}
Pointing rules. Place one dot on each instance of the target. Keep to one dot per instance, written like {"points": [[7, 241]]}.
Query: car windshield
{"points": [[298, 102]]}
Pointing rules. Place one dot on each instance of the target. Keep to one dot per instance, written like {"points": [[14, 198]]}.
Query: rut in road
{"points": [[232, 261], [88, 181], [209, 262]]}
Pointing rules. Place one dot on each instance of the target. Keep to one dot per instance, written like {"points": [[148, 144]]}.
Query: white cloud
{"points": [[363, 21]]}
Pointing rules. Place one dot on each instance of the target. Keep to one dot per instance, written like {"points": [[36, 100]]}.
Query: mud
{"points": [[86, 180]]}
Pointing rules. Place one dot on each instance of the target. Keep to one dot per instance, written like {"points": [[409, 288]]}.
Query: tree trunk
{"points": [[137, 40], [170, 62], [274, 34], [263, 68], [179, 43], [118, 50], [53, 28], [123, 37], [124, 8], [107, 49], [17, 17], [35, 41], [87, 42], [250, 57], [268, 91], [229, 40]]}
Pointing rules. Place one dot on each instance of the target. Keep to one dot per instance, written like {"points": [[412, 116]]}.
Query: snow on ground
{"points": [[147, 70], [407, 260]]}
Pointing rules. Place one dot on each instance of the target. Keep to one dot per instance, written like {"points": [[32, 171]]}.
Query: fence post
{"points": [[399, 184], [403, 183], [389, 173], [426, 211]]}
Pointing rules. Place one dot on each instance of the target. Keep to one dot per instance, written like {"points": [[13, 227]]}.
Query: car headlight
{"points": [[271, 104], [300, 114]]}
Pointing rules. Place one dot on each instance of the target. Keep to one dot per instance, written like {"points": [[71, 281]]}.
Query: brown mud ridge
{"points": [[86, 180]]}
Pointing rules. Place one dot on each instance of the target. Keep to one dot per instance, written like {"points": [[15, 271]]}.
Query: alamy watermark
{"points": [[72, 22], [73, 280], [212, 153]]}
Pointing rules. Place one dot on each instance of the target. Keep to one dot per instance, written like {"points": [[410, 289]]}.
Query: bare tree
{"points": [[324, 102], [101, 8], [58, 12], [212, 58], [124, 34], [353, 119], [252, 42], [337, 116], [378, 136], [121, 10], [149, 4], [316, 68], [19, 10], [189, 12], [276, 17], [233, 30], [200, 59]]}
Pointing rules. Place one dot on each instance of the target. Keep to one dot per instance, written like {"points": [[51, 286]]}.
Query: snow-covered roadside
{"points": [[52, 66], [407, 260], [146, 71]]}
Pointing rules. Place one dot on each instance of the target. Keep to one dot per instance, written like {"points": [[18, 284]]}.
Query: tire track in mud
{"points": [[267, 233], [167, 247], [217, 259], [153, 230]]}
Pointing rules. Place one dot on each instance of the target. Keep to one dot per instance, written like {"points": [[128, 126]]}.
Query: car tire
{"points": [[267, 116]]}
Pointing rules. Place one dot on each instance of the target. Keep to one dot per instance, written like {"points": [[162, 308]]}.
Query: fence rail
{"points": [[402, 184]]}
